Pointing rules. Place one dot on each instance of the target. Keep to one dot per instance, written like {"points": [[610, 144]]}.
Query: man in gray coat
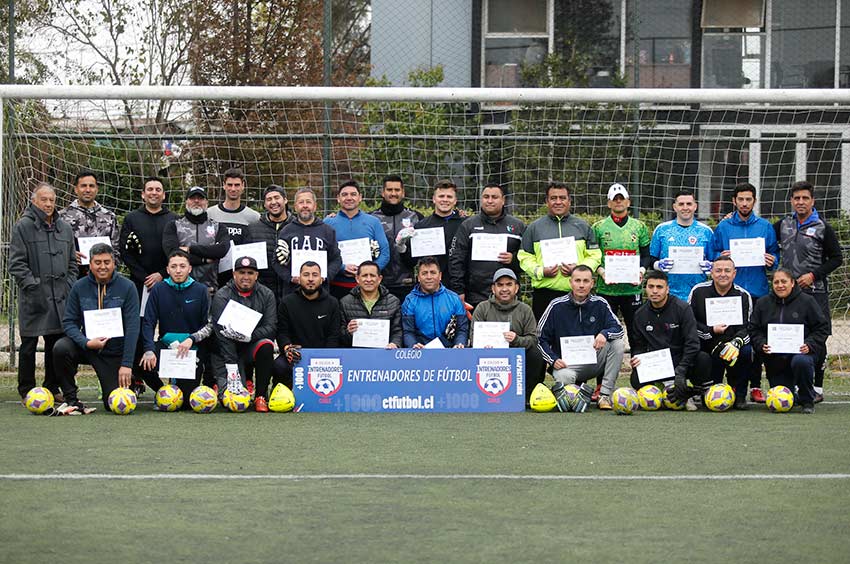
{"points": [[43, 263]]}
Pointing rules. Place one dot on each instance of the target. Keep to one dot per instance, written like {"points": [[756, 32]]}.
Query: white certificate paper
{"points": [[86, 243], [178, 368], [685, 259], [145, 295], [428, 242], [487, 246], [724, 311], [559, 251], [255, 250], [578, 350], [655, 365], [622, 269], [300, 256], [240, 318], [371, 333], [355, 251], [785, 337], [103, 323], [490, 334], [435, 343], [747, 252]]}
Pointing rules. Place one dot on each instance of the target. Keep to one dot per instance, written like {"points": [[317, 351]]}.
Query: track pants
{"points": [[67, 357]]}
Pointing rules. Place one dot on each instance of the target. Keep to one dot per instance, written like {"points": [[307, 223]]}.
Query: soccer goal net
{"points": [[655, 142]]}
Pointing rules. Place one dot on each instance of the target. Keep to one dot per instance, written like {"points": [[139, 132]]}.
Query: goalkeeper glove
{"points": [[451, 329], [403, 237], [234, 380], [375, 248], [583, 399], [293, 353], [561, 400], [230, 333], [281, 252], [730, 351], [133, 245], [664, 265], [705, 266]]}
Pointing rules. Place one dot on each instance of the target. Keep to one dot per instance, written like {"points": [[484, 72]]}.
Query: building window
{"points": [[732, 13], [664, 44], [733, 60], [516, 33], [803, 44]]}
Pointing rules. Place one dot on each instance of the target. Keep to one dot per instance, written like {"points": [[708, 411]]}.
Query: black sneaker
{"points": [[138, 387], [818, 398], [808, 409], [741, 403]]}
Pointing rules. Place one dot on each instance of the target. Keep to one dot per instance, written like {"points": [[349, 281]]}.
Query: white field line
{"points": [[426, 477]]}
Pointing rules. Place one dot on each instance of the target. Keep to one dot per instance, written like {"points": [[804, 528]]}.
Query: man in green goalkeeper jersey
{"points": [[621, 239]]}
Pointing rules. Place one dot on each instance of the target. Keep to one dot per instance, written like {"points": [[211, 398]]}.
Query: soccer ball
{"points": [[542, 400], [572, 391], [282, 399], [675, 406], [122, 401], [650, 398], [719, 397], [169, 398], [38, 400], [624, 401], [236, 402], [325, 386], [779, 399], [203, 400]]}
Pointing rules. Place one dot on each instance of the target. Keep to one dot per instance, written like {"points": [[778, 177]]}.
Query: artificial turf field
{"points": [[653, 487]]}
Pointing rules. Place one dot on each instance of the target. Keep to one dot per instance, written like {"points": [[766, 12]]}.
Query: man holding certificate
{"points": [[398, 222], [682, 247], [101, 326], [789, 331], [88, 218], [359, 235], [553, 245], [267, 229], [582, 339], [504, 309], [722, 310], [308, 318], [811, 251], [442, 224], [666, 323], [751, 242], [432, 315], [371, 315], [483, 244], [624, 246], [177, 310], [245, 322], [305, 238]]}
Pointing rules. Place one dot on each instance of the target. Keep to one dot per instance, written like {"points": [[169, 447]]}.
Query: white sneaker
{"points": [[690, 405]]}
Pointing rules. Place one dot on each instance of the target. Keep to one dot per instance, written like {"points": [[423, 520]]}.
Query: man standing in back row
{"points": [[233, 214], [470, 276], [810, 250], [87, 217], [398, 222], [447, 217]]}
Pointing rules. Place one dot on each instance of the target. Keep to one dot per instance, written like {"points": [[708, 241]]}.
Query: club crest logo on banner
{"points": [[493, 376], [324, 376]]}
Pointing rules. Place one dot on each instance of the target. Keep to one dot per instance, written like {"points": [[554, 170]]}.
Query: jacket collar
{"points": [[814, 218], [510, 306], [736, 218], [419, 292], [492, 220]]}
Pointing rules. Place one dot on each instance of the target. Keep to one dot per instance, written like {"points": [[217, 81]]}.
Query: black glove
{"points": [[560, 393], [293, 353], [681, 392], [133, 245]]}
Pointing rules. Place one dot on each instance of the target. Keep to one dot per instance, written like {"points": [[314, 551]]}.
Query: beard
{"points": [[310, 292], [196, 211]]}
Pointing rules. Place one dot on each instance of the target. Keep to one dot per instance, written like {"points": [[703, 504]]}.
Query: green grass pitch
{"points": [[467, 511]]}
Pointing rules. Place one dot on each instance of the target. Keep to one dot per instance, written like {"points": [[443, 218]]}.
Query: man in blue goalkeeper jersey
{"points": [[672, 244]]}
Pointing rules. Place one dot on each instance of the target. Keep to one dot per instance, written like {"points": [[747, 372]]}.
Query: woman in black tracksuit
{"points": [[788, 304]]}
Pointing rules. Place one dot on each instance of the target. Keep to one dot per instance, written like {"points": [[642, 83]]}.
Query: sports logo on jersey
{"points": [[692, 240], [510, 228], [211, 230], [810, 231], [634, 237], [493, 376], [592, 319], [405, 222], [649, 328]]}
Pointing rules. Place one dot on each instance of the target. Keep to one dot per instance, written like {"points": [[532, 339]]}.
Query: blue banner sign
{"points": [[424, 380]]}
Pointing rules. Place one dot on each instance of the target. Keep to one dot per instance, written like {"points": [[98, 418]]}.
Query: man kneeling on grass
{"points": [[581, 314], [101, 290], [237, 351]]}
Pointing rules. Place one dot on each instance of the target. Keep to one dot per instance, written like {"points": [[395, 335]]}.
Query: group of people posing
{"points": [[431, 280]]}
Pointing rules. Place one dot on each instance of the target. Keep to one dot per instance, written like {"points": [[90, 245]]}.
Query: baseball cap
{"points": [[503, 272], [196, 191], [274, 188], [245, 262], [617, 189]]}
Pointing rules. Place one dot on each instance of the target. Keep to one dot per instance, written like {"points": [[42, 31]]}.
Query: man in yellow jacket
{"points": [[553, 245]]}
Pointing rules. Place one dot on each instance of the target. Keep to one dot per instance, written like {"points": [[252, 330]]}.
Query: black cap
{"points": [[274, 188], [245, 262], [196, 191]]}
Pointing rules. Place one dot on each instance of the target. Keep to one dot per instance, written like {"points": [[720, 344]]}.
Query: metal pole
{"points": [[11, 41], [327, 46], [635, 189]]}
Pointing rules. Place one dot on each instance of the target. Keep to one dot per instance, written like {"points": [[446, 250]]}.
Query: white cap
{"points": [[617, 189]]}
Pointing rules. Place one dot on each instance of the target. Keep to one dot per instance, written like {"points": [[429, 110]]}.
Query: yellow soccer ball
{"points": [[236, 402], [282, 399], [542, 399], [38, 400], [650, 398], [719, 397], [203, 399], [779, 399], [624, 401], [169, 398], [122, 401]]}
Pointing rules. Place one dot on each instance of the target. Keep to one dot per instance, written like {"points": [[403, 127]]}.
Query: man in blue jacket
{"points": [[432, 311], [350, 223], [581, 314], [745, 224], [102, 289]]}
